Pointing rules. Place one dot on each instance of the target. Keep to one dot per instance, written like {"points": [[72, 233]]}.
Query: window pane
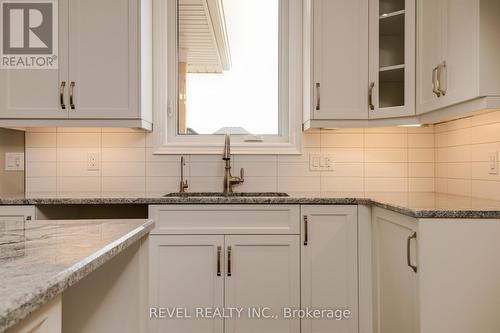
{"points": [[228, 66]]}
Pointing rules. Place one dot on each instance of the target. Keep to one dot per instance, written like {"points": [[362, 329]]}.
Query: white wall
{"points": [[369, 160]]}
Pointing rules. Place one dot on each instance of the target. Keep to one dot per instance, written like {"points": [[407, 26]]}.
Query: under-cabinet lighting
{"points": [[412, 125]]}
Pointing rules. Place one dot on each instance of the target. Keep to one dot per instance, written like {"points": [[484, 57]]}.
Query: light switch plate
{"points": [[320, 162], [14, 161]]}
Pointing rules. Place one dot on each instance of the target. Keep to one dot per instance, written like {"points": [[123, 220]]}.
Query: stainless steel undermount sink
{"points": [[221, 194]]}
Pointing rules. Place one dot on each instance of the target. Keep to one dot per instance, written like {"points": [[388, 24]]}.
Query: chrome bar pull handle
{"points": [[408, 252], [318, 96], [370, 96], [441, 82], [435, 82], [306, 231], [71, 91], [61, 95], [229, 261], [219, 250]]}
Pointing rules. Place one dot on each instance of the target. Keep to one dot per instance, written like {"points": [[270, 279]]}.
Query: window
{"points": [[228, 66]]}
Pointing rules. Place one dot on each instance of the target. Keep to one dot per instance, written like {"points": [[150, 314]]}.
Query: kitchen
{"points": [[340, 156]]}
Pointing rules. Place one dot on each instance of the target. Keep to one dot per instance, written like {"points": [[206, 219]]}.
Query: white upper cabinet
{"points": [[104, 59], [35, 93], [104, 73], [392, 58], [336, 60], [457, 52]]}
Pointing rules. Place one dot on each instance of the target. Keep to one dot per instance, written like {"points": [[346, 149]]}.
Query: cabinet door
{"points": [[35, 93], [460, 76], [448, 37], [186, 272], [262, 272], [340, 39], [395, 282], [329, 274], [103, 58], [392, 58], [429, 51]]}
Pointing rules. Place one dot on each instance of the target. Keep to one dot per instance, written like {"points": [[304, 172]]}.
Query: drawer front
{"points": [[225, 219]]}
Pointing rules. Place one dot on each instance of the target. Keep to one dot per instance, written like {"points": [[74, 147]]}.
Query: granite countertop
{"points": [[419, 205], [50, 256]]}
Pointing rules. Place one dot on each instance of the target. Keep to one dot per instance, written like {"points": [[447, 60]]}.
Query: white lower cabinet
{"points": [[258, 272], [258, 258], [435, 275], [395, 273], [329, 267], [262, 273], [186, 272]]}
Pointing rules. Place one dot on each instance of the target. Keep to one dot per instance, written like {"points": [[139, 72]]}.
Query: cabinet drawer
{"points": [[225, 219]]}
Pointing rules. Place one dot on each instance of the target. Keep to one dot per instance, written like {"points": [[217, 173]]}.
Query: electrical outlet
{"points": [[320, 162], [93, 161], [493, 163], [14, 161]]}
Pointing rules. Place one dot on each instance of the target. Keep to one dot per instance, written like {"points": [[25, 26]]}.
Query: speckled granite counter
{"points": [[50, 256], [419, 205]]}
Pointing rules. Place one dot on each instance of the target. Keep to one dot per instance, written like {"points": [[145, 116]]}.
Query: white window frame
{"points": [[166, 138]]}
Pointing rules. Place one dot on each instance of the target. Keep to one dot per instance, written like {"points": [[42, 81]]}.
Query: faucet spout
{"points": [[226, 155]]}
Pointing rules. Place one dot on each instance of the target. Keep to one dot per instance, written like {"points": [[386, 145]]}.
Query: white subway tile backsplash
{"points": [[123, 154], [421, 155], [41, 185], [115, 185], [391, 170], [344, 140], [79, 184], [386, 155], [296, 170], [158, 186], [75, 169], [386, 140], [165, 169], [40, 140], [40, 155], [386, 184], [124, 140], [118, 169], [450, 157], [41, 169], [344, 170]]}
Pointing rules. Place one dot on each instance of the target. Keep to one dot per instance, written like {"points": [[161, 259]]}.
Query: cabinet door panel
{"points": [[183, 273], [392, 58], [264, 273], [395, 281], [329, 266], [34, 93], [429, 51], [340, 59], [460, 50], [104, 53]]}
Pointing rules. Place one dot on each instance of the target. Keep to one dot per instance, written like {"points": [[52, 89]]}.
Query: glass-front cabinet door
{"points": [[392, 58]]}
